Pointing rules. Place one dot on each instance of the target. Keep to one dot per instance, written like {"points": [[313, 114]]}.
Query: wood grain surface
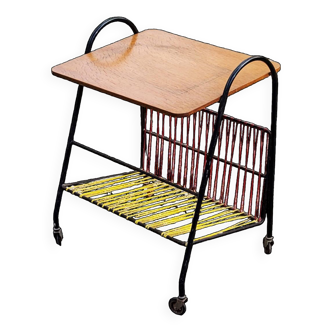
{"points": [[162, 71]]}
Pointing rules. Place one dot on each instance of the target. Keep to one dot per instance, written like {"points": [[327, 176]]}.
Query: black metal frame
{"points": [[178, 304], [269, 188]]}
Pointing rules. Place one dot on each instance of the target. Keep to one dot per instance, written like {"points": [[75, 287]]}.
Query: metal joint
{"points": [[57, 230], [268, 240]]}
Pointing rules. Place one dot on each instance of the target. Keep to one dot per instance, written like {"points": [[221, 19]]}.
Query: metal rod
{"points": [[222, 189], [162, 147], [254, 150], [143, 129], [207, 129], [241, 136], [67, 157], [218, 161], [200, 119], [181, 152], [234, 132], [259, 178], [174, 149], [144, 114], [187, 152], [272, 152], [148, 162], [137, 169], [192, 183], [103, 24], [211, 170], [156, 158], [246, 168], [106, 156], [169, 159]]}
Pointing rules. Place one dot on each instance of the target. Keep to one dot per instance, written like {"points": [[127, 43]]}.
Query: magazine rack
{"points": [[202, 174]]}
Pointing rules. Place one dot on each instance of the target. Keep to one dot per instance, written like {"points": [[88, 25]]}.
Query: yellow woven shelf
{"points": [[160, 207]]}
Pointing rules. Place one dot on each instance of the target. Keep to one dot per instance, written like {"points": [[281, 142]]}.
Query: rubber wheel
{"points": [[268, 249], [58, 237], [176, 306]]}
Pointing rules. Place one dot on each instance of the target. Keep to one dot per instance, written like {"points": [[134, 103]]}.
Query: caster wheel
{"points": [[58, 235], [267, 244], [268, 249], [177, 305]]}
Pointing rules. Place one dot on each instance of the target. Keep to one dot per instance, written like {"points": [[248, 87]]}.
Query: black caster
{"points": [[58, 235], [177, 305], [267, 244]]}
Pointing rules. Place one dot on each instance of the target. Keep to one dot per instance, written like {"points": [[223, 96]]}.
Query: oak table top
{"points": [[162, 71]]}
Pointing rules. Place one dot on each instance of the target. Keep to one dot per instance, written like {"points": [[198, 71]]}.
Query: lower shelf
{"points": [[161, 207]]}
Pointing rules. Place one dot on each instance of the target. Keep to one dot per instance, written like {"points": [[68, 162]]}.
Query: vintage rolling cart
{"points": [[202, 174]]}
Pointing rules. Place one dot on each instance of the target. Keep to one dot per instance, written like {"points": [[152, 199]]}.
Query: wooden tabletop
{"points": [[162, 71]]}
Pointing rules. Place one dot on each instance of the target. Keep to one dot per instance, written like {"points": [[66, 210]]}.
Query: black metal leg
{"points": [[268, 241], [188, 254], [177, 304], [143, 147], [57, 231], [269, 237]]}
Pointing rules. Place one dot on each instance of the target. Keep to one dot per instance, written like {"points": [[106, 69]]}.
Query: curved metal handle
{"points": [[268, 194], [103, 24], [222, 105]]}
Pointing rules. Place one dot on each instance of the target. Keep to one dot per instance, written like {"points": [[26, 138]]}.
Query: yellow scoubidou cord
{"points": [[156, 205]]}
